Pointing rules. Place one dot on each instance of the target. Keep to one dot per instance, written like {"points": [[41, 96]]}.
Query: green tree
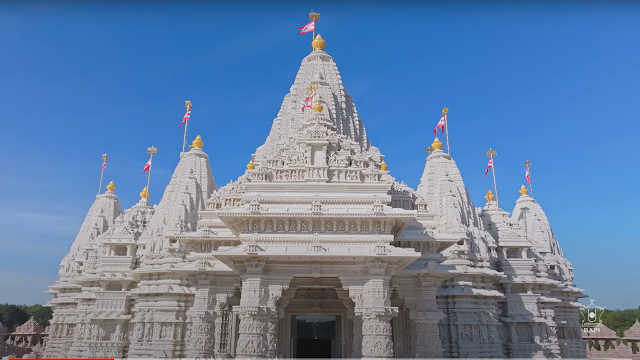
{"points": [[41, 314], [620, 320], [13, 316]]}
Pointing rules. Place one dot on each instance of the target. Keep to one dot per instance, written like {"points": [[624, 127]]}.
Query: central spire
{"points": [[320, 69]]}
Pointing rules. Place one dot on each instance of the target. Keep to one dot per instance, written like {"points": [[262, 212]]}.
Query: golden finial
{"points": [[111, 186], [318, 43], [445, 111], [383, 166], [317, 107], [144, 194], [437, 145], [197, 143], [489, 196], [523, 190], [187, 104], [250, 165]]}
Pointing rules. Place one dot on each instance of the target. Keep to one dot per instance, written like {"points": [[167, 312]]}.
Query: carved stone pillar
{"points": [[427, 339], [221, 348], [420, 300], [258, 333], [348, 335], [376, 332], [199, 343], [274, 315], [272, 337], [356, 340], [252, 337], [514, 336], [282, 342], [355, 294], [376, 313]]}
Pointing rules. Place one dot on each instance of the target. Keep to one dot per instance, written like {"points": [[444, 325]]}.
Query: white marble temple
{"points": [[315, 226]]}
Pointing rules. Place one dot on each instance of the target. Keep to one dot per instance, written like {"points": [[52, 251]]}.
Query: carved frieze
{"points": [[327, 226]]}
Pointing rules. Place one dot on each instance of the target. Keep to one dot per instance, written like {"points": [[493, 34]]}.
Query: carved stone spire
{"points": [[101, 215], [440, 179], [190, 186], [535, 222], [320, 68]]}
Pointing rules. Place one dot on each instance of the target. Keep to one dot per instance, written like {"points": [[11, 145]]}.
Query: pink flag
{"points": [[526, 175], [104, 164], [489, 166], [307, 103], [308, 28], [147, 166], [440, 125], [186, 117]]}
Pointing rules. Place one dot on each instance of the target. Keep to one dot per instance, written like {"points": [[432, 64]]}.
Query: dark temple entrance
{"points": [[314, 348], [315, 336]]}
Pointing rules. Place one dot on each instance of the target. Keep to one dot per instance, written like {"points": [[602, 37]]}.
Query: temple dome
{"points": [[318, 43]]}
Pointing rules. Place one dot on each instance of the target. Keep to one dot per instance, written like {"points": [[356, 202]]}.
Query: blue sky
{"points": [[554, 83]]}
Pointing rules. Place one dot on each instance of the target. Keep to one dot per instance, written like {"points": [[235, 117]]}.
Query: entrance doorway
{"points": [[316, 336]]}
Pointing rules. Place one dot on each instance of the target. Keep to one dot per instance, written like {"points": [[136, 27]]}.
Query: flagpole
{"points": [[151, 151], [314, 86], [527, 164], [491, 154], [445, 111], [104, 158], [314, 16], [187, 104]]}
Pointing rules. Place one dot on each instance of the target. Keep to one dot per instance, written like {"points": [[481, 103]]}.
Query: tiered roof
{"points": [[634, 332], [29, 327]]}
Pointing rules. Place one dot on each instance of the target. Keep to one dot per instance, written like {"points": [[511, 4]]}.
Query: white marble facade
{"points": [[315, 226]]}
